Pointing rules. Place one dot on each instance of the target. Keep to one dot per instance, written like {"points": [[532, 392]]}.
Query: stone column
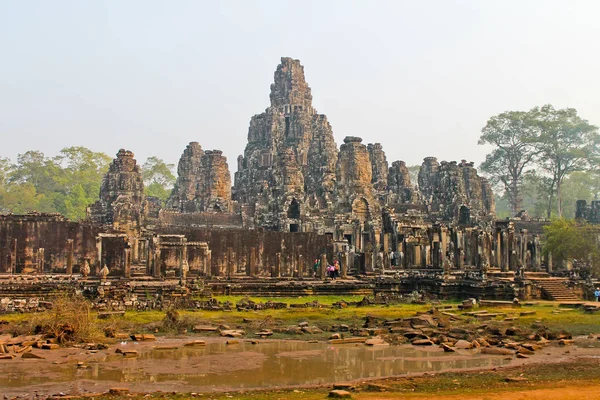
{"points": [[98, 265], [69, 256], [523, 248], [344, 265], [208, 262], [323, 268], [13, 257], [40, 259], [156, 263], [229, 263], [146, 248], [184, 261], [276, 272], [537, 253], [135, 250], [505, 252], [437, 259], [386, 243], [417, 255], [549, 267], [252, 263], [300, 265], [127, 270]]}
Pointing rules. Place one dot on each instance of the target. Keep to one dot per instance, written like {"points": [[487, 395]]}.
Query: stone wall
{"points": [[45, 243], [238, 252]]}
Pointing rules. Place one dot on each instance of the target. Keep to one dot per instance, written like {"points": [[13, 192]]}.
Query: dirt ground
{"points": [[561, 393]]}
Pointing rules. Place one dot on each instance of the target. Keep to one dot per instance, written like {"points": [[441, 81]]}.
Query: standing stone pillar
{"points": [[300, 265], [208, 262], [69, 256], [444, 242], [427, 249], [156, 263], [276, 272], [127, 269], [251, 271], [549, 267], [183, 264], [537, 253], [523, 248], [369, 261], [386, 243], [229, 265], [498, 252], [505, 252], [146, 248], [377, 253], [40, 260], [13, 257], [323, 267], [437, 259], [98, 264], [417, 255], [344, 265], [135, 250]]}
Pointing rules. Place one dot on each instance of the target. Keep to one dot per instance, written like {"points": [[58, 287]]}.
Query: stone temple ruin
{"points": [[296, 197]]}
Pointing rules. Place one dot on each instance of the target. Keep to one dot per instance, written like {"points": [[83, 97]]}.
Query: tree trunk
{"points": [[550, 199], [559, 198], [516, 203]]}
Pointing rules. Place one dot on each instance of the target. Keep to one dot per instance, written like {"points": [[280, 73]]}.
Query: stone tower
{"points": [[203, 182], [455, 192], [122, 201], [355, 191], [286, 176], [399, 183]]}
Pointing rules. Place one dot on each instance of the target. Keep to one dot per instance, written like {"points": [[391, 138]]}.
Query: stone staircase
{"points": [[556, 289]]}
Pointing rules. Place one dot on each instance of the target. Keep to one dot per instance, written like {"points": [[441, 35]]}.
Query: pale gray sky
{"points": [[420, 77]]}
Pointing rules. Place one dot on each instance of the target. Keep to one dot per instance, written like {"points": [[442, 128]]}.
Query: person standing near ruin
{"points": [[597, 293], [336, 269], [316, 266]]}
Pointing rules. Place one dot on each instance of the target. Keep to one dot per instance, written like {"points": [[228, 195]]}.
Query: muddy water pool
{"points": [[218, 366]]}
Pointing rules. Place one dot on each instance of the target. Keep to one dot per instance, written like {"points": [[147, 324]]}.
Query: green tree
{"points": [[20, 198], [82, 171], [573, 241], [513, 135], [5, 169], [35, 168], [158, 178], [66, 184], [567, 143]]}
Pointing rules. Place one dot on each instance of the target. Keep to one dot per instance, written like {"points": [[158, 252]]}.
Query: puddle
{"points": [[240, 366]]}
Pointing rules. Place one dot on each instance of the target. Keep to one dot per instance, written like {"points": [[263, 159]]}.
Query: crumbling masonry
{"points": [[296, 197]]}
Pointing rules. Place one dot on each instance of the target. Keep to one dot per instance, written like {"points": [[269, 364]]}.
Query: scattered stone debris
{"points": [[340, 394]]}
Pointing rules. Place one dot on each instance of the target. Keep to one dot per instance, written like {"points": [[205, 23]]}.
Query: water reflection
{"points": [[267, 364]]}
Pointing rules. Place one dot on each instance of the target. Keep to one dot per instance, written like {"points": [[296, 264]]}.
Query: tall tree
{"points": [[513, 135], [158, 178], [567, 143]]}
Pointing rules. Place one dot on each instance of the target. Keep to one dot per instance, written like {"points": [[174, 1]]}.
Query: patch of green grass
{"points": [[327, 300]]}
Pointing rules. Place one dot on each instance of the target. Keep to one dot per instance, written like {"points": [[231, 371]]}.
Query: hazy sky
{"points": [[420, 77]]}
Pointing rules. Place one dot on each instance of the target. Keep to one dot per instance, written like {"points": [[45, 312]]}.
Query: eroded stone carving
{"points": [[122, 200]]}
